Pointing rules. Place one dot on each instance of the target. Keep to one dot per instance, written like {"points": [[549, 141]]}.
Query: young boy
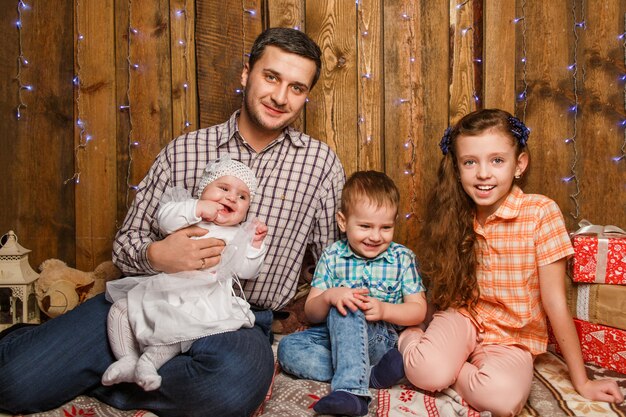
{"points": [[365, 288]]}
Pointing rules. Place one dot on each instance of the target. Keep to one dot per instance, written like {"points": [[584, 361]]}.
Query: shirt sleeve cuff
{"points": [[143, 261], [254, 253]]}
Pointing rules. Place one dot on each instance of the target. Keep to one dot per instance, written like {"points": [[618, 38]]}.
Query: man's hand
{"points": [[208, 210], [178, 252]]}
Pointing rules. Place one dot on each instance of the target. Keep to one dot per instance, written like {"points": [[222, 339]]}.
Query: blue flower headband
{"points": [[446, 141], [517, 127]]}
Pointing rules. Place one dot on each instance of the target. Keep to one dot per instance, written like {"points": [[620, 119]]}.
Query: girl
{"points": [[494, 260]]}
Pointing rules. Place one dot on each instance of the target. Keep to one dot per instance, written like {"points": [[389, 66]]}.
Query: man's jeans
{"points": [[340, 351], [43, 367]]}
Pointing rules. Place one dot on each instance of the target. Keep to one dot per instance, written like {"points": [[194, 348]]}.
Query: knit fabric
{"points": [[226, 166]]}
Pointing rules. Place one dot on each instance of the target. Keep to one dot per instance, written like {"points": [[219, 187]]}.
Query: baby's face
{"points": [[233, 194]]}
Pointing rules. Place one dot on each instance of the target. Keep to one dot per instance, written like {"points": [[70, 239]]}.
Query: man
{"points": [[300, 181]]}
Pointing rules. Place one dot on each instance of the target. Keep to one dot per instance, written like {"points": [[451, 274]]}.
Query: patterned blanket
{"points": [[552, 395]]}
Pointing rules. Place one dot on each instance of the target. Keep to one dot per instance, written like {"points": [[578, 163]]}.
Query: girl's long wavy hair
{"points": [[446, 245]]}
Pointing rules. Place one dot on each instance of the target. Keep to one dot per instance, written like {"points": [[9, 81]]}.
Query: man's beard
{"points": [[256, 118]]}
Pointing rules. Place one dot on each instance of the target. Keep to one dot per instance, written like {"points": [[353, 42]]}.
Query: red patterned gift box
{"points": [[602, 345], [599, 254]]}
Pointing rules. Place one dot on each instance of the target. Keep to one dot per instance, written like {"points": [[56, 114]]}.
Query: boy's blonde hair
{"points": [[376, 186]]}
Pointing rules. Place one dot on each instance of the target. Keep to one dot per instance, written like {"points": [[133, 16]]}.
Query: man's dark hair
{"points": [[289, 40]]}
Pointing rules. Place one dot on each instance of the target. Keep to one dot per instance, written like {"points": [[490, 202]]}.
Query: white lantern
{"points": [[18, 303]]}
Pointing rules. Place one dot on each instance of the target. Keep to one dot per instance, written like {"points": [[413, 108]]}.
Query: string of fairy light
{"points": [[83, 136], [247, 12], [366, 75], [184, 13], [578, 76], [523, 95], [464, 31], [21, 61], [409, 144], [577, 72], [131, 67], [622, 154]]}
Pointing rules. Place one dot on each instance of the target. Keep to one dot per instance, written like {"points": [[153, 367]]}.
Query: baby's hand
{"points": [[260, 232], [207, 210]]}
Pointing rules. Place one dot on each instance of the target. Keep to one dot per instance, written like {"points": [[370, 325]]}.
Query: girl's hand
{"points": [[260, 233], [601, 390], [552, 284], [345, 298], [207, 210], [373, 308]]}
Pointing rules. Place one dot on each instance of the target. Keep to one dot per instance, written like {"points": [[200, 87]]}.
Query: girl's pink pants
{"points": [[495, 378]]}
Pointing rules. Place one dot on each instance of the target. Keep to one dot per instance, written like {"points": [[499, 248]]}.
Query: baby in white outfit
{"points": [[154, 318]]}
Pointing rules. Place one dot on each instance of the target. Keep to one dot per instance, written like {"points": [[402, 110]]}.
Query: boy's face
{"points": [[369, 228], [233, 194]]}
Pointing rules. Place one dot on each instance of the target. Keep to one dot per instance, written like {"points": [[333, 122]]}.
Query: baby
{"points": [[154, 318]]}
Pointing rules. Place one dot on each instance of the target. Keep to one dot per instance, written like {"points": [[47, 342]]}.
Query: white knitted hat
{"points": [[227, 166]]}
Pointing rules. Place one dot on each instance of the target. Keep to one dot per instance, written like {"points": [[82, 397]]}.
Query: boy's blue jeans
{"points": [[45, 366], [341, 351]]}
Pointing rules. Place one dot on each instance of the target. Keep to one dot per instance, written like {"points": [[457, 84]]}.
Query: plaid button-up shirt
{"points": [[389, 276], [526, 232], [299, 188]]}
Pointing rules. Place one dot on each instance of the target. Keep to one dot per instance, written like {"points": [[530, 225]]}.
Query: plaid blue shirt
{"points": [[389, 276]]}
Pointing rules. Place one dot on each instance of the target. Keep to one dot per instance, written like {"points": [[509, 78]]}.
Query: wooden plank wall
{"points": [[396, 73], [37, 150]]}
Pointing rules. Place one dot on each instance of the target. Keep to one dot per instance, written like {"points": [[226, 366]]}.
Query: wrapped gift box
{"points": [[602, 345], [599, 254], [598, 303]]}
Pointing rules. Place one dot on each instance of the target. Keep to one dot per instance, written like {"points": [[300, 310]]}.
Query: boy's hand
{"points": [[260, 232], [207, 210], [342, 298], [373, 308]]}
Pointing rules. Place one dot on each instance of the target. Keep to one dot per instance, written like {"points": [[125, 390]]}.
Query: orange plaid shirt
{"points": [[527, 231]]}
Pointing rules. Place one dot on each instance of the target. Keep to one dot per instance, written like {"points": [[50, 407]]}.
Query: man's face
{"points": [[276, 89]]}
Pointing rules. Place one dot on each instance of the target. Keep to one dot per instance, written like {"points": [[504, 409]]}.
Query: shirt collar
{"points": [[345, 251], [230, 131], [512, 204], [510, 207]]}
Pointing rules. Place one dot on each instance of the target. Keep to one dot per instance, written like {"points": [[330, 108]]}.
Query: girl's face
{"points": [[487, 165], [233, 194]]}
